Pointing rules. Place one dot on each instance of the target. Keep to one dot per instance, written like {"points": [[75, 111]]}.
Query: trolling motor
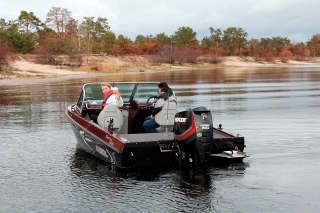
{"points": [[193, 134]]}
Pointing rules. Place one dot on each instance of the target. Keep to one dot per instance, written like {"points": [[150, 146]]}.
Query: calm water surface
{"points": [[276, 109]]}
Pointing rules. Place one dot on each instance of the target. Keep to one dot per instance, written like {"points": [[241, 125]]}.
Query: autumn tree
{"points": [[6, 56], [206, 44], [299, 49], [93, 34], [141, 39], [104, 37], [314, 45], [253, 46], [216, 38], [241, 39], [72, 36], [163, 50], [58, 18], [28, 21], [123, 46], [234, 38], [54, 45], [146, 44], [278, 43], [163, 39], [8, 25], [42, 34], [107, 41], [20, 42], [71, 27], [167, 53], [3, 24], [286, 52], [264, 47], [60, 38], [185, 36], [185, 39]]}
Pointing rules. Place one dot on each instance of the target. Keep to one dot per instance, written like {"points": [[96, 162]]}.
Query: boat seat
{"points": [[165, 118], [111, 117]]}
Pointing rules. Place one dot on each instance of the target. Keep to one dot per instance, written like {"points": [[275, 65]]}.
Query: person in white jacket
{"points": [[115, 98], [111, 96]]}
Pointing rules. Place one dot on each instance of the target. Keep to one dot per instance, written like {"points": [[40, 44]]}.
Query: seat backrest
{"points": [[165, 118], [111, 117]]}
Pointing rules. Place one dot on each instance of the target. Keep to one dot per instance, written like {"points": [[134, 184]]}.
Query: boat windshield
{"points": [[125, 89], [93, 93], [145, 90], [129, 91]]}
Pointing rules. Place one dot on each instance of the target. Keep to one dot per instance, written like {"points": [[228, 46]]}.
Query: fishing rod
{"points": [[167, 86]]}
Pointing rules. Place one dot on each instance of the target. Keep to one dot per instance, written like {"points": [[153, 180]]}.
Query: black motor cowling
{"points": [[193, 132]]}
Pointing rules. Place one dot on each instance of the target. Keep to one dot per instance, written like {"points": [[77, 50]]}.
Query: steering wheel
{"points": [[150, 105]]}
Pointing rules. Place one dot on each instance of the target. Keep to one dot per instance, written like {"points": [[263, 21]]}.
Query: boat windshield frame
{"points": [[139, 91]]}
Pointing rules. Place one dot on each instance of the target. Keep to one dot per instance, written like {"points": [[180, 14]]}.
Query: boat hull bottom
{"points": [[141, 155], [150, 153]]}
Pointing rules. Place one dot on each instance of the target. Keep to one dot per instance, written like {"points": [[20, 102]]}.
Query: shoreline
{"points": [[26, 72]]}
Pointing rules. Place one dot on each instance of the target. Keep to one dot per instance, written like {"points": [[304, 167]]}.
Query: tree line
{"points": [[62, 34]]}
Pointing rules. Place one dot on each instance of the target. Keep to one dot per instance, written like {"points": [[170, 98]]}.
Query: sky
{"points": [[298, 20]]}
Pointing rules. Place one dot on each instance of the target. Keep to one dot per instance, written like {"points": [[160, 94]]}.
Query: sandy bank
{"points": [[242, 61], [27, 72]]}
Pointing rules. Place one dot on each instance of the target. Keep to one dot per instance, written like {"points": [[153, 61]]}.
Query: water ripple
{"points": [[43, 170]]}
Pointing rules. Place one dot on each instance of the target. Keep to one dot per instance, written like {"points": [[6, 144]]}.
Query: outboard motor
{"points": [[193, 133]]}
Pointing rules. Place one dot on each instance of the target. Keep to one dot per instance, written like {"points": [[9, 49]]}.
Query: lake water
{"points": [[277, 110]]}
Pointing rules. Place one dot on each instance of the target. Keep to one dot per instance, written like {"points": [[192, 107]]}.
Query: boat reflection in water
{"points": [[180, 186], [83, 163]]}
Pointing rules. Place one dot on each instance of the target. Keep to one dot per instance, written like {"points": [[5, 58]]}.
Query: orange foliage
{"points": [[286, 51], [252, 46], [300, 51], [6, 56], [123, 47], [147, 47], [222, 52], [314, 45], [210, 51], [270, 54], [241, 52], [51, 44]]}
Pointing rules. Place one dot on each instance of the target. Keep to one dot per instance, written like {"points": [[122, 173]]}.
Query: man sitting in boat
{"points": [[111, 96], [165, 94]]}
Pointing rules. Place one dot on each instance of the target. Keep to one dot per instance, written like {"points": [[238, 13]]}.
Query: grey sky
{"points": [[298, 20]]}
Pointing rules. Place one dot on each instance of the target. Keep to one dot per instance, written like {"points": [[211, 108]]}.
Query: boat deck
{"points": [[149, 137], [169, 136]]}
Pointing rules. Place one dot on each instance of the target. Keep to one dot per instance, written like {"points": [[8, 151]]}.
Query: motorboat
{"points": [[185, 137]]}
